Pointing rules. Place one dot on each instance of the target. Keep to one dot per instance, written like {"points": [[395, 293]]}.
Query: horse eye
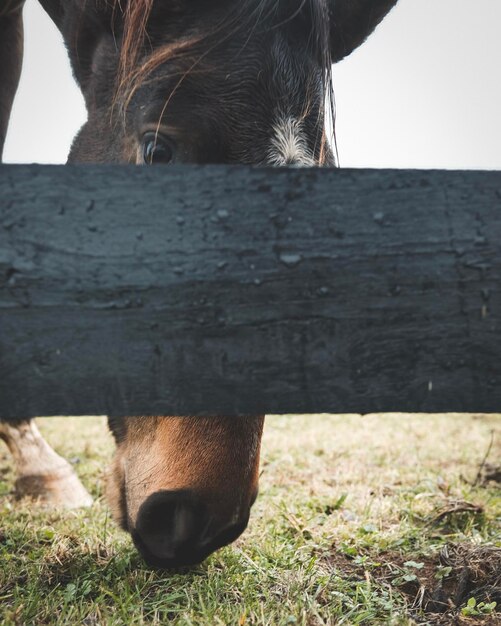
{"points": [[157, 149]]}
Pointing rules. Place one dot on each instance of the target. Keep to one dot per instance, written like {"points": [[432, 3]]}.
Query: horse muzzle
{"points": [[175, 529]]}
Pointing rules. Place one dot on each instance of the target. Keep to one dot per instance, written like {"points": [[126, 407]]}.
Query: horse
{"points": [[192, 81]]}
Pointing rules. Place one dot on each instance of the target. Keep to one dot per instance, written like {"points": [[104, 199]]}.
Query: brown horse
{"points": [[193, 81]]}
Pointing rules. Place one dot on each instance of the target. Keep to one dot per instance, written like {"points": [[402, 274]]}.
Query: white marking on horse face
{"points": [[288, 144]]}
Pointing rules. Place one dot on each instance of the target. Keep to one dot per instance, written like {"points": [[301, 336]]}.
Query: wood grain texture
{"points": [[187, 290]]}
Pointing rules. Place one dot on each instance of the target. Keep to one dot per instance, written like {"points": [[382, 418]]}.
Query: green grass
{"points": [[358, 521]]}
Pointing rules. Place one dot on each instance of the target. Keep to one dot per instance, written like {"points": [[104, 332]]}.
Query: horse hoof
{"points": [[59, 490]]}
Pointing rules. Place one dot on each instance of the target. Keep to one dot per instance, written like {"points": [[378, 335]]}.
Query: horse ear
{"points": [[84, 25], [352, 21]]}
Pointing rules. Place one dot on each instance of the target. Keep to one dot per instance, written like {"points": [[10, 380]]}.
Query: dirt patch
{"points": [[456, 586], [445, 584], [491, 474]]}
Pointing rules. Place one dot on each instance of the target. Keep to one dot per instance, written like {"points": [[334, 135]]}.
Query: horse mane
{"points": [[135, 17]]}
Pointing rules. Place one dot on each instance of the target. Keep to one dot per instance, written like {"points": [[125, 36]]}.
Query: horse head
{"points": [[202, 82], [184, 486]]}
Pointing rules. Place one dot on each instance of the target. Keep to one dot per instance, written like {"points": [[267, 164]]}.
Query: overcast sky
{"points": [[424, 91]]}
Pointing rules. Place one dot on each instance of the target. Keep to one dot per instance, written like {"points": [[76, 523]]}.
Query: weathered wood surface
{"points": [[236, 290]]}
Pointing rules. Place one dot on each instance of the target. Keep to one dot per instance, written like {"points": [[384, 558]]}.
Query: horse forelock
{"points": [[135, 16], [244, 14], [138, 59]]}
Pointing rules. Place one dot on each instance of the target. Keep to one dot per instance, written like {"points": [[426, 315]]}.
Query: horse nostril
{"points": [[170, 525]]}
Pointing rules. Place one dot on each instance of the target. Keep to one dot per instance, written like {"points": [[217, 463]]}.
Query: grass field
{"points": [[383, 519]]}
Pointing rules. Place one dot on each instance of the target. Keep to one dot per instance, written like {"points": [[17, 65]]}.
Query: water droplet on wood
{"points": [[290, 260]]}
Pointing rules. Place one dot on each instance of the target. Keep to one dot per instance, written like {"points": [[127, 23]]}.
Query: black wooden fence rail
{"points": [[234, 290]]}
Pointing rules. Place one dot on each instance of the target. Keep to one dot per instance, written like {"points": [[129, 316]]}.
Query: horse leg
{"points": [[41, 472], [11, 59]]}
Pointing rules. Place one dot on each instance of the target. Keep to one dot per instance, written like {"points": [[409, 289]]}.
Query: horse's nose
{"points": [[174, 528], [170, 525]]}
